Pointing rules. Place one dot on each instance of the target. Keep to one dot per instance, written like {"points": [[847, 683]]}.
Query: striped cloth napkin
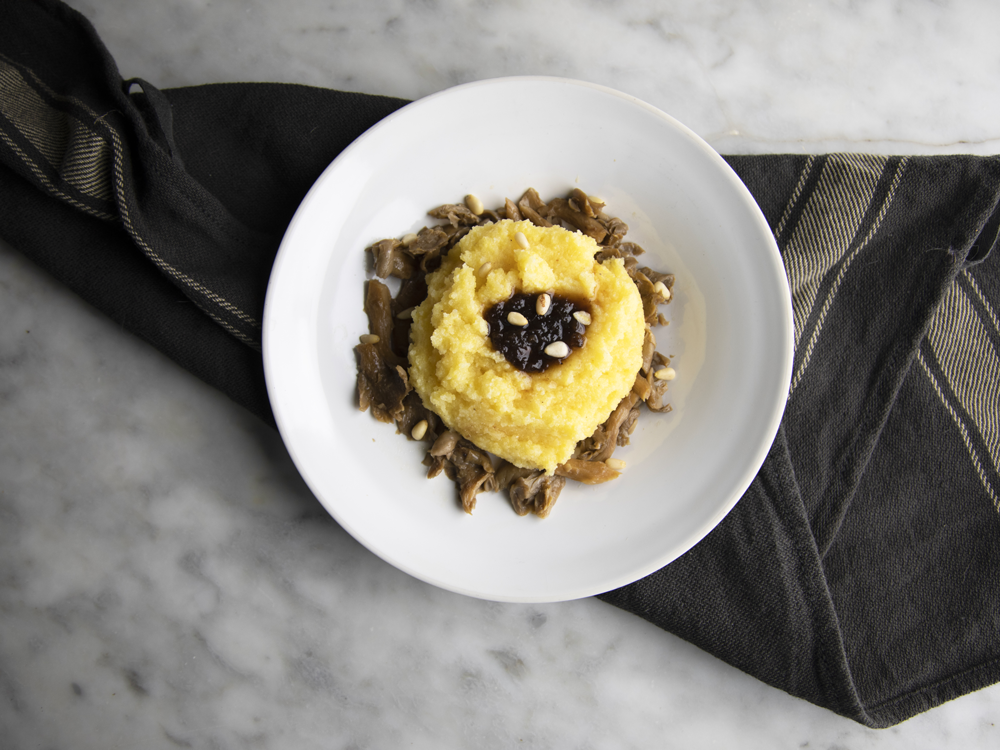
{"points": [[859, 570]]}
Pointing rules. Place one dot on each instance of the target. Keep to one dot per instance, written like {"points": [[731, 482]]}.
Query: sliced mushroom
{"points": [[649, 295], [607, 253], [656, 402], [533, 216], [628, 426], [616, 229], [531, 198], [445, 443], [630, 248], [382, 387], [600, 445], [470, 468], [531, 205], [581, 202], [642, 386], [428, 239], [456, 214], [576, 218], [411, 293], [510, 210], [413, 413], [588, 472], [648, 348], [507, 473], [392, 259], [655, 276], [536, 493]]}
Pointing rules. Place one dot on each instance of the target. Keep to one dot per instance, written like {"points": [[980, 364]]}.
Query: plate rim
{"points": [[781, 386]]}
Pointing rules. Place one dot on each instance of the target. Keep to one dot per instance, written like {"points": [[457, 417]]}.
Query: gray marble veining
{"points": [[167, 580]]}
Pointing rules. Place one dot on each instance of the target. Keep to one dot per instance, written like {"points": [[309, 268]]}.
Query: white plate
{"points": [[731, 334]]}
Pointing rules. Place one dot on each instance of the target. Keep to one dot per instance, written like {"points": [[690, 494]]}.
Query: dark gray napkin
{"points": [[858, 571]]}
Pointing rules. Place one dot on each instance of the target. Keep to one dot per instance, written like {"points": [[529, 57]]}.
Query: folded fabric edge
{"points": [[98, 262], [897, 710]]}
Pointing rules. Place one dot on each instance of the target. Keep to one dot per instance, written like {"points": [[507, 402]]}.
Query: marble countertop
{"points": [[167, 580]]}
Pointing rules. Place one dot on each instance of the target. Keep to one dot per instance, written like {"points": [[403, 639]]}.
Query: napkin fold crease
{"points": [[858, 571]]}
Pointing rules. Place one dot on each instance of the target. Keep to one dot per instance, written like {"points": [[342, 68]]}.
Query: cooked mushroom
{"points": [[655, 276], [445, 443], [588, 472], [578, 219], [630, 248], [507, 473], [510, 210], [616, 230], [471, 469], [650, 295], [529, 206], [580, 201], [378, 308], [628, 426], [456, 214], [537, 493], [412, 414], [529, 490], [655, 400], [382, 387], [648, 348], [642, 386], [392, 259], [600, 445]]}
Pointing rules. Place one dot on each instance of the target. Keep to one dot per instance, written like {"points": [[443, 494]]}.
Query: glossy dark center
{"points": [[524, 346]]}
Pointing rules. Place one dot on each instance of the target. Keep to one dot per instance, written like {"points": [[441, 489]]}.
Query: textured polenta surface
{"points": [[535, 420]]}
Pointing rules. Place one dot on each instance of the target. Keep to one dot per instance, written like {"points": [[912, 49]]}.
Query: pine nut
{"points": [[542, 304], [516, 319], [615, 463], [369, 338], [660, 288], [559, 350], [483, 271], [419, 430], [665, 373], [408, 239], [474, 204], [406, 314], [521, 240], [583, 316]]}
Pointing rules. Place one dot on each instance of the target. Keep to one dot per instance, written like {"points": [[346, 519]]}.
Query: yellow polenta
{"points": [[532, 420]]}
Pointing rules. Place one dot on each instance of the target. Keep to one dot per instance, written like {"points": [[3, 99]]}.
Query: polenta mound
{"points": [[532, 420], [428, 364]]}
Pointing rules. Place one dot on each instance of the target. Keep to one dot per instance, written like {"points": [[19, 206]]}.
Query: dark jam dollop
{"points": [[524, 346]]}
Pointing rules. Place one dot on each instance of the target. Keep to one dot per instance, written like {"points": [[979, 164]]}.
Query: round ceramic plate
{"points": [[730, 334]]}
